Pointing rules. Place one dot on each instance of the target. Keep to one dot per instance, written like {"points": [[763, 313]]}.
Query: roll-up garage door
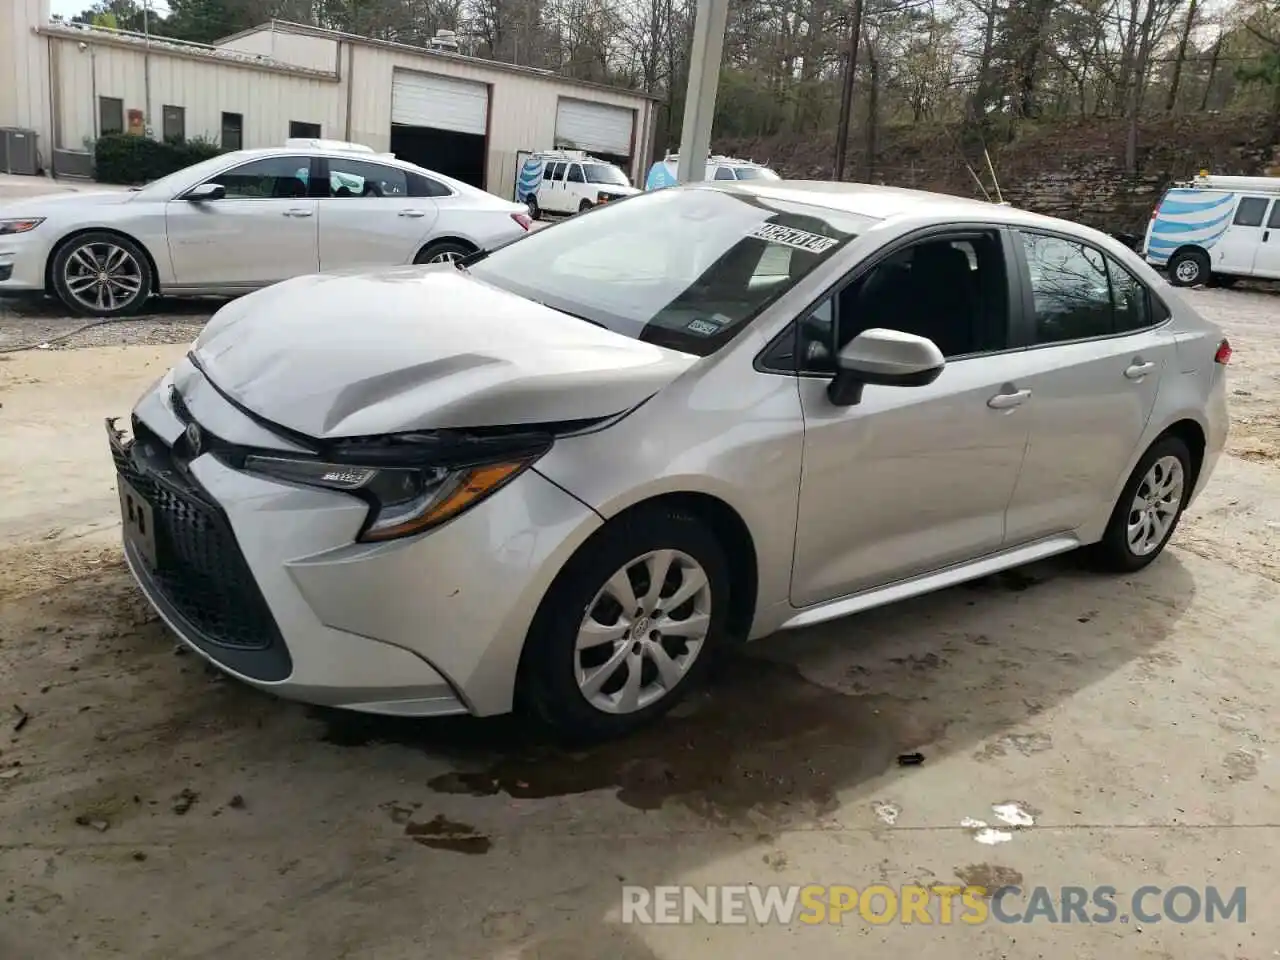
{"points": [[439, 102], [594, 127]]}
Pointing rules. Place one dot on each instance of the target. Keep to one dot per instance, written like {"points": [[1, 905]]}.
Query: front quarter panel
{"points": [[722, 429]]}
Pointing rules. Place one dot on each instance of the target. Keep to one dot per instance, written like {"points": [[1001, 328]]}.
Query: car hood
{"points": [[420, 348], [35, 206]]}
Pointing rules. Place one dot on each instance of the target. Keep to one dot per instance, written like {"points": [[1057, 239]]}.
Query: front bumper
{"points": [[266, 581], [22, 260]]}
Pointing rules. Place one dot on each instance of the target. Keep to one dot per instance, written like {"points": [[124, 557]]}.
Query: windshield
{"points": [[755, 173], [684, 269], [605, 173]]}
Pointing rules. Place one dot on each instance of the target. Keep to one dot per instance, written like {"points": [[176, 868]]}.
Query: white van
{"points": [[664, 172], [569, 181], [1216, 229]]}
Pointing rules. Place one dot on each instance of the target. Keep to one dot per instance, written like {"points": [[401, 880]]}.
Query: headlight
{"points": [[403, 500], [8, 227]]}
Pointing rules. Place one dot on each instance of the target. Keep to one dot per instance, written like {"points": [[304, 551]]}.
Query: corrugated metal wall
{"points": [[24, 71], [314, 53], [267, 100], [522, 109]]}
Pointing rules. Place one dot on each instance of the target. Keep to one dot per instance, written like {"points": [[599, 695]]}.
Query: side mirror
{"points": [[886, 357], [206, 191]]}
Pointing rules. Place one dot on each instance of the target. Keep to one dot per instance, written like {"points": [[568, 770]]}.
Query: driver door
{"points": [[265, 229], [910, 479]]}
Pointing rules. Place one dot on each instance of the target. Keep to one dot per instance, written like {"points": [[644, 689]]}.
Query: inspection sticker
{"points": [[703, 327], [791, 237]]}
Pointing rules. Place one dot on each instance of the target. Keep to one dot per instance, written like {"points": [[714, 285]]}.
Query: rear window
{"points": [[684, 269]]}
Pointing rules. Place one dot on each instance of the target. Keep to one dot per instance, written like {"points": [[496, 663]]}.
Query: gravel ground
{"points": [[30, 323]]}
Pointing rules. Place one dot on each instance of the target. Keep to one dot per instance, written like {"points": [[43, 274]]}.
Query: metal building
{"points": [[463, 116]]}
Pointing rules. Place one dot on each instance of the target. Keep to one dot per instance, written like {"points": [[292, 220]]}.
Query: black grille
{"points": [[200, 571]]}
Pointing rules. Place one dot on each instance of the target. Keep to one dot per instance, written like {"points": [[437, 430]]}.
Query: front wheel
{"points": [[1188, 268], [1149, 508], [631, 625], [102, 275]]}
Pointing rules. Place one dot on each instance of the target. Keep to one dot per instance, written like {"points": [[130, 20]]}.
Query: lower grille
{"points": [[200, 570]]}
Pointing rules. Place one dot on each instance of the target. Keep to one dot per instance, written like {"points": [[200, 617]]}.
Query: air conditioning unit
{"points": [[18, 152]]}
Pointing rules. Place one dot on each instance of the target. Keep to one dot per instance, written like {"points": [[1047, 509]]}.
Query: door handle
{"points": [[1005, 401], [297, 212], [1139, 369], [413, 213]]}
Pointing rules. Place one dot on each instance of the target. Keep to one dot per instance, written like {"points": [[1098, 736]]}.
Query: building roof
{"points": [[288, 26], [179, 48]]}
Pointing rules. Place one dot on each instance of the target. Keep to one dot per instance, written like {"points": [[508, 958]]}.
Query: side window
{"points": [[1132, 300], [1250, 212], [420, 186], [547, 170], [724, 173], [1069, 285], [575, 174], [1273, 221], [271, 178], [954, 291], [557, 171], [360, 178]]}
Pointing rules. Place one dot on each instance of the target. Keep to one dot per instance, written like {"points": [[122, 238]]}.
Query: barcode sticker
{"points": [[791, 237]]}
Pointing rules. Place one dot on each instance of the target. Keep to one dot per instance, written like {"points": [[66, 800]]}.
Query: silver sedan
{"points": [[241, 221], [568, 475]]}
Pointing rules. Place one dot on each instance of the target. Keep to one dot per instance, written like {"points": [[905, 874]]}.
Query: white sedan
{"points": [[241, 221]]}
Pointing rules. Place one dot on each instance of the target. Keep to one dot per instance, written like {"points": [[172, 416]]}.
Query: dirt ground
{"points": [[149, 808]]}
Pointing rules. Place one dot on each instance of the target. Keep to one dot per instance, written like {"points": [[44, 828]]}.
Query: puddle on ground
{"points": [[989, 876], [760, 738]]}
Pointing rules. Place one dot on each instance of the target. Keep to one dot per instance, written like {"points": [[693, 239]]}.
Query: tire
{"points": [[531, 201], [1116, 551], [585, 205], [444, 251], [1187, 268], [122, 281], [555, 684]]}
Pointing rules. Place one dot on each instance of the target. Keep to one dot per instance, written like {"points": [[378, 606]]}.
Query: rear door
{"points": [[1236, 252], [263, 230], [369, 215], [1098, 343]]}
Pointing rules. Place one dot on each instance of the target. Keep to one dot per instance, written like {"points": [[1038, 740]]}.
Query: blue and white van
{"points": [[565, 182], [1216, 230], [663, 173]]}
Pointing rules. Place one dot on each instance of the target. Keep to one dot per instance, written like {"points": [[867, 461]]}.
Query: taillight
{"points": [[522, 219], [1223, 356]]}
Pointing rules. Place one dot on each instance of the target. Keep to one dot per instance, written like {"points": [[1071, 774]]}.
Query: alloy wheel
{"points": [[643, 631], [446, 256], [103, 276], [1155, 506], [1188, 271]]}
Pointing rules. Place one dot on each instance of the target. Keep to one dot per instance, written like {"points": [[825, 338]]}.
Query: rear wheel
{"points": [[585, 205], [102, 274], [1149, 508], [531, 201], [444, 251], [1187, 268], [630, 626]]}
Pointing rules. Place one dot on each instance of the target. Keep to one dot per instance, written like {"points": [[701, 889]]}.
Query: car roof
{"points": [[886, 203]]}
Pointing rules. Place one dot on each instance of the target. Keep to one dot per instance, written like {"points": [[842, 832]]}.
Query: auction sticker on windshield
{"points": [[791, 237]]}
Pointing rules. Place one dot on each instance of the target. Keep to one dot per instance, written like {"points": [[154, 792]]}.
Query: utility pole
{"points": [[700, 97], [846, 92]]}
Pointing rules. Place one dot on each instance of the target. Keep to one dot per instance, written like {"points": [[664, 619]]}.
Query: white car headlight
{"points": [[23, 225]]}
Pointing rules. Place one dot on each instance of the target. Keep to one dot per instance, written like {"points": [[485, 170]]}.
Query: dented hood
{"points": [[416, 348]]}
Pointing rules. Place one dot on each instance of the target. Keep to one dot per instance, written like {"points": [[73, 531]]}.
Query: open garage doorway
{"points": [[441, 123]]}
